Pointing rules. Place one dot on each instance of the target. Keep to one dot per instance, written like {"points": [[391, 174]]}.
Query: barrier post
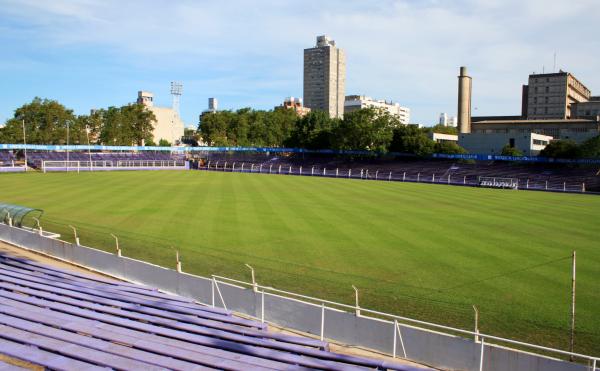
{"points": [[254, 285], [243, 163], [582, 187], [395, 335], [418, 177], [251, 167], [404, 176], [448, 178], [270, 168], [361, 173], [465, 180], [322, 321], [357, 309], [75, 233], [527, 184], [40, 232], [564, 186], [336, 172], [290, 170], [390, 177], [117, 245], [476, 323], [481, 355], [262, 306], [279, 171], [312, 171], [376, 173], [300, 171], [433, 178], [260, 169], [324, 171], [349, 173], [225, 166], [546, 185], [208, 167], [178, 261], [233, 167]]}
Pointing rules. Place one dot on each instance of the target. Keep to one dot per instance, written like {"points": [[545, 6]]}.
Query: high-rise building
{"points": [[550, 95], [356, 102], [448, 120], [325, 77]]}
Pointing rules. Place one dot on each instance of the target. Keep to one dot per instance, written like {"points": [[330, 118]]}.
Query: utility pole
{"points": [[25, 144], [573, 306]]}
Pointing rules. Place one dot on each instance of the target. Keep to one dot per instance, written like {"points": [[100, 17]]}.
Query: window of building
{"points": [[547, 89], [535, 100], [546, 99]]}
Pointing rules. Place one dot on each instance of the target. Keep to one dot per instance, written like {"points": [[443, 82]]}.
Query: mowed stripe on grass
{"points": [[427, 251]]}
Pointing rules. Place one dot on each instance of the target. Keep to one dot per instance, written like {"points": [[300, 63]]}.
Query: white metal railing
{"points": [[103, 164], [395, 319], [399, 176]]}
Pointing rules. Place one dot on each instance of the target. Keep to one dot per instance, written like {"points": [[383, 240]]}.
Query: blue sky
{"points": [[98, 53]]}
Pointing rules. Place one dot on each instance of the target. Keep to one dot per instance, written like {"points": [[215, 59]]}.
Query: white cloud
{"points": [[408, 50]]}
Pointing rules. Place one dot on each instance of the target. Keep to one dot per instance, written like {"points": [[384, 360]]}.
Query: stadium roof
{"points": [[69, 320]]}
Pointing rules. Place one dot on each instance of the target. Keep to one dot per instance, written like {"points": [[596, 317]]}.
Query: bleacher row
{"points": [[67, 320], [555, 177], [6, 158]]}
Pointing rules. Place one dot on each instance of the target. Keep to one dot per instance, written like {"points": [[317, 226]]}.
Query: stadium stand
{"points": [[529, 175], [6, 158], [63, 319]]}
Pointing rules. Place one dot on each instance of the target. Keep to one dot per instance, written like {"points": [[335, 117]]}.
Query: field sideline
{"points": [[425, 251]]}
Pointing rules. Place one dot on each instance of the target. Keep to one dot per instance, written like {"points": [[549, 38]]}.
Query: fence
{"points": [[402, 176], [112, 165], [420, 341]]}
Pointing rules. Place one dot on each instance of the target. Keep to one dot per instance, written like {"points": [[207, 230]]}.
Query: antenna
{"points": [[176, 90], [554, 61]]}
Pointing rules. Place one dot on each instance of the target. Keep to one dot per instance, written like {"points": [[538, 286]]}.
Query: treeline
{"points": [[47, 122], [365, 129], [565, 148]]}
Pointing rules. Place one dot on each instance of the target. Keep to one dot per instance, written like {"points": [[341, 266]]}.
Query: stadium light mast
{"points": [[176, 91]]}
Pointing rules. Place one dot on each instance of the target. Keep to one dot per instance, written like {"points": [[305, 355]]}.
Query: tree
{"points": [[439, 128], [164, 143], [411, 139], [365, 129], [450, 148], [561, 149], [313, 131], [46, 122], [507, 150], [590, 148]]}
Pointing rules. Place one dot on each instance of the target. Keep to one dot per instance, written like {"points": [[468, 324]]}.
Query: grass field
{"points": [[426, 251]]}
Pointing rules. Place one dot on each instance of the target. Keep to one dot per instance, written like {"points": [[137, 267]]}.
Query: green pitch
{"points": [[425, 251]]}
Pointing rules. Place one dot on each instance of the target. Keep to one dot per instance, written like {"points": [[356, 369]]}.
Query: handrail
{"points": [[412, 320]]}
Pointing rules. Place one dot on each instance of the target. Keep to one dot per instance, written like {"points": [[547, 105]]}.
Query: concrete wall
{"points": [[421, 345], [492, 144]]}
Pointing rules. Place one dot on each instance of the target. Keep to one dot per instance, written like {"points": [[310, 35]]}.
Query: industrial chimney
{"points": [[464, 101]]}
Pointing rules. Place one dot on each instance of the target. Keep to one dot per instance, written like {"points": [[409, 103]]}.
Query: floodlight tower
{"points": [[176, 90]]}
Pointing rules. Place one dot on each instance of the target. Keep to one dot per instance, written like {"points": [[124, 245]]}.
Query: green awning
{"points": [[20, 215]]}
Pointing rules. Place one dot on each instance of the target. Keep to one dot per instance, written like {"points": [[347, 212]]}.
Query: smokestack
{"points": [[464, 101]]}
